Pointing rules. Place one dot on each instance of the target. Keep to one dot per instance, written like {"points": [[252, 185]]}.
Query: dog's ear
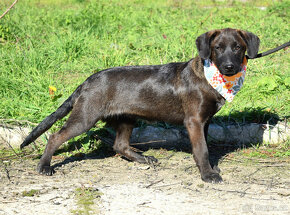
{"points": [[203, 43], [252, 42]]}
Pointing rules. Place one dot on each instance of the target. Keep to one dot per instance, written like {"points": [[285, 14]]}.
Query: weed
{"points": [[30, 193], [266, 151], [200, 185], [85, 198]]}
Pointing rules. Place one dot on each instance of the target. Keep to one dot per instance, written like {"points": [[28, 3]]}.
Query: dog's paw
{"points": [[45, 170], [212, 177]]}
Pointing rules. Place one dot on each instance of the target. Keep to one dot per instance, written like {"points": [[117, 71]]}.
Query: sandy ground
{"points": [[171, 187]]}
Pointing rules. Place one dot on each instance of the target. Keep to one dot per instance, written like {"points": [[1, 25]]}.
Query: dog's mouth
{"points": [[229, 70]]}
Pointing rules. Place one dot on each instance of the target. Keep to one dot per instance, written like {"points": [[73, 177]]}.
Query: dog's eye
{"points": [[237, 48], [217, 48]]}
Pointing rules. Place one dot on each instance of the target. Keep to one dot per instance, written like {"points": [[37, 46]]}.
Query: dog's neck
{"points": [[227, 86]]}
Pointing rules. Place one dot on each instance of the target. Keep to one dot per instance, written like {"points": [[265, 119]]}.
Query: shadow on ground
{"points": [[217, 150]]}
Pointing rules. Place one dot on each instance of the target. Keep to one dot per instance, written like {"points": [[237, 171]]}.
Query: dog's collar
{"points": [[227, 86]]}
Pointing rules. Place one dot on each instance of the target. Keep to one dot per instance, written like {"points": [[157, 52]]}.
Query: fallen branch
{"points": [[8, 9], [155, 182]]}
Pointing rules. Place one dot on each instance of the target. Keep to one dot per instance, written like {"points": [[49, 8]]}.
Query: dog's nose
{"points": [[229, 67]]}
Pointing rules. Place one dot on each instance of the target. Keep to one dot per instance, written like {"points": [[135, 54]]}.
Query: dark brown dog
{"points": [[176, 93]]}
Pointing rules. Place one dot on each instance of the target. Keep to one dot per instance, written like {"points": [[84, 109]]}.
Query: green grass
{"points": [[60, 43], [265, 151], [85, 200], [30, 193]]}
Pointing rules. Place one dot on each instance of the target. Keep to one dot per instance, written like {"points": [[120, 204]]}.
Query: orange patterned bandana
{"points": [[227, 86]]}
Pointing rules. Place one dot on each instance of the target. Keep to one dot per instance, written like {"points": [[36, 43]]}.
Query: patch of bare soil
{"points": [[171, 187]]}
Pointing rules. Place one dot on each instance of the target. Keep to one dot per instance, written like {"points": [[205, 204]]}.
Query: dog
{"points": [[176, 93]]}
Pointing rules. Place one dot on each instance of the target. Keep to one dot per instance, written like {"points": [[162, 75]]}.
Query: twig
{"points": [[11, 147], [7, 171], [196, 190], [166, 185], [264, 184], [21, 154], [8, 9], [202, 21], [17, 121], [259, 161], [8, 157], [144, 203], [254, 172], [243, 193], [153, 141], [276, 165], [154, 182]]}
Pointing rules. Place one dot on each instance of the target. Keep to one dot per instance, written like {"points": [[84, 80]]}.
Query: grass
{"points": [[267, 151], [30, 193], [85, 200], [60, 43], [43, 45]]}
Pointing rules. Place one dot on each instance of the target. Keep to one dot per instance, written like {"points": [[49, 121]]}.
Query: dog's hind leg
{"points": [[78, 123], [121, 144]]}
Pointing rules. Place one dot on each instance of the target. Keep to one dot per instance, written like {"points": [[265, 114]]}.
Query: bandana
{"points": [[227, 86]]}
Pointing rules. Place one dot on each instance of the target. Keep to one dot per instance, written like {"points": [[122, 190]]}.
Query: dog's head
{"points": [[226, 48]]}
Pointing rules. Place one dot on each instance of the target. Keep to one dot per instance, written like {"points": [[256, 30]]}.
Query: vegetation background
{"points": [[59, 43], [49, 47]]}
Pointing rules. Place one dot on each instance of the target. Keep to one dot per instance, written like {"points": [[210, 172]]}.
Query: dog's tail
{"points": [[61, 112]]}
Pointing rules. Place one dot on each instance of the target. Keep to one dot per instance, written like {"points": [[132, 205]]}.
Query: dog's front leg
{"points": [[195, 130]]}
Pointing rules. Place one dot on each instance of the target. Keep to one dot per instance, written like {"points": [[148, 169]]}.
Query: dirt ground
{"points": [[117, 186]]}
